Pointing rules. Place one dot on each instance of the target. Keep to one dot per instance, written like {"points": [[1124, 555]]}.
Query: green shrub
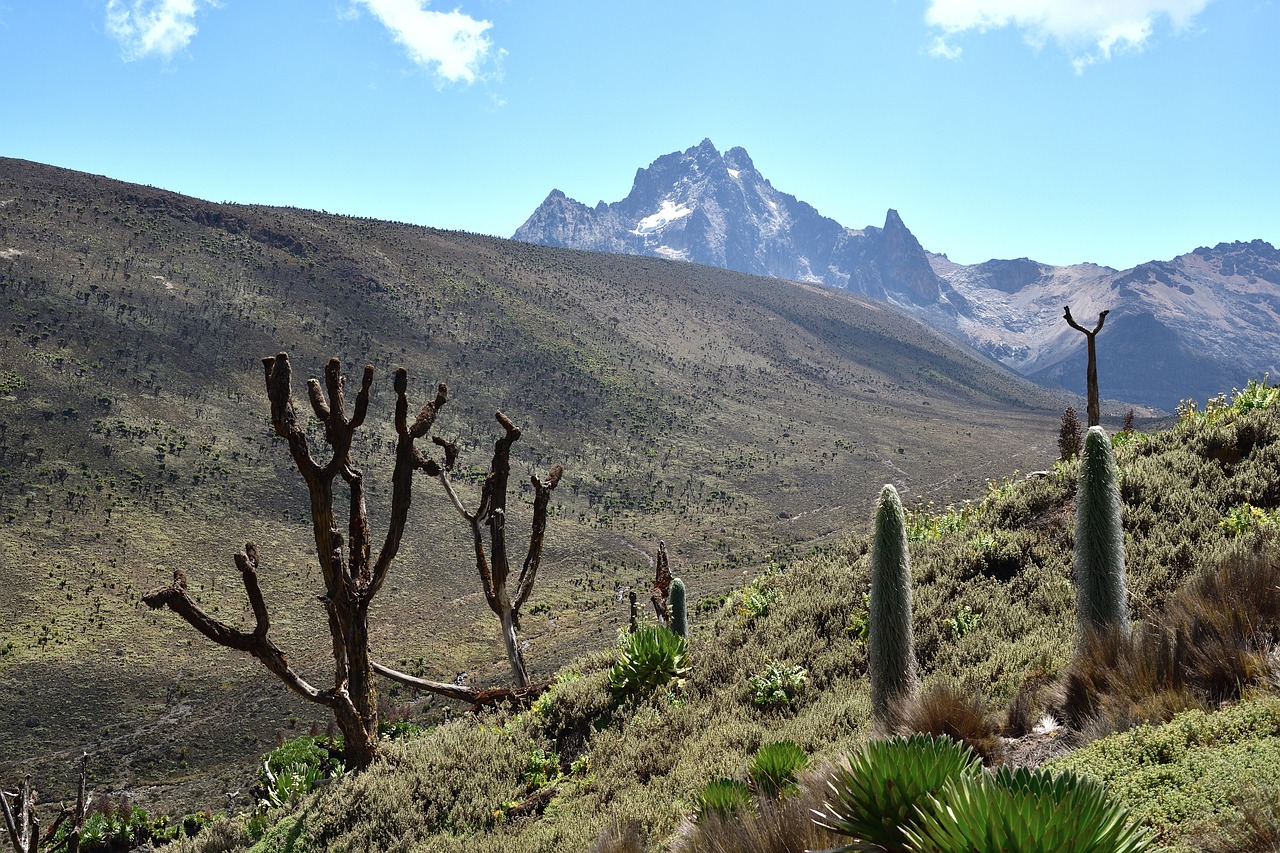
{"points": [[1183, 774], [757, 597], [777, 685], [649, 658], [292, 769], [872, 798], [964, 622], [775, 768], [724, 796]]}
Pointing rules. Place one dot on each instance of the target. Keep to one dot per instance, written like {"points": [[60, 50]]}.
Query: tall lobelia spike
{"points": [[1099, 555], [679, 613], [891, 644]]}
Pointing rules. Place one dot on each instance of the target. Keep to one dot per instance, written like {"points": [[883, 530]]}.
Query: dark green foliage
{"points": [[775, 769], [724, 796], [679, 609], [1024, 811], [114, 827], [944, 709], [649, 658], [1099, 550], [892, 646], [873, 799]]}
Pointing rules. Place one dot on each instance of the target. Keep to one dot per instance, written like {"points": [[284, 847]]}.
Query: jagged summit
{"points": [[706, 207]]}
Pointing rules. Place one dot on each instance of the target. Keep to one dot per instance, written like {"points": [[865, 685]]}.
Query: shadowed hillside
{"points": [[733, 417]]}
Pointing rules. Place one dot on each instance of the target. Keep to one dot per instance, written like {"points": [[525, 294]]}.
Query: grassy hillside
{"points": [[585, 769], [743, 420]]}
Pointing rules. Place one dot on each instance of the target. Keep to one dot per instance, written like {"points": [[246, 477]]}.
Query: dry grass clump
{"points": [[945, 709], [776, 825], [1257, 827], [1214, 637], [619, 838]]}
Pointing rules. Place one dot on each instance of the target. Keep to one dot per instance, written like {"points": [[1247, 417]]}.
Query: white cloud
{"points": [[452, 44], [153, 27], [1089, 30], [942, 50]]}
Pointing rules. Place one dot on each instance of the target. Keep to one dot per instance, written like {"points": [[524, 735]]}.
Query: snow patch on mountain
{"points": [[669, 212]]}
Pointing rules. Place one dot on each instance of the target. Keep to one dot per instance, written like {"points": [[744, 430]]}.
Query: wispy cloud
{"points": [[453, 45], [153, 27], [1089, 30]]}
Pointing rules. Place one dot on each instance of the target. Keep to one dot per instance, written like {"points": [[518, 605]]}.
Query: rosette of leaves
{"points": [[649, 658], [874, 799], [777, 684], [1024, 811], [723, 797], [775, 767]]}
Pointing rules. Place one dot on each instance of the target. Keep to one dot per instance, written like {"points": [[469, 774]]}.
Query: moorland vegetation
{"points": [[1163, 732], [1145, 698], [740, 419]]}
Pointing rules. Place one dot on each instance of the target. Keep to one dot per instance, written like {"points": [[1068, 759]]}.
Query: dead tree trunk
{"points": [[1095, 408], [494, 568], [23, 826], [351, 576]]}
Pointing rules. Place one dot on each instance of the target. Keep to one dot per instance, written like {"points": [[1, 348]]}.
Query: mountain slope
{"points": [[1191, 327], [1194, 326], [737, 419]]}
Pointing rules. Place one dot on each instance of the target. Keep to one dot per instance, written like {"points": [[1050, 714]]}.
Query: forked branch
{"points": [[176, 597], [1091, 377], [492, 563]]}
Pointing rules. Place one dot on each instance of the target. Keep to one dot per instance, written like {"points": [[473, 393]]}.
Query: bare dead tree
{"points": [[491, 512], [1095, 408], [661, 592], [23, 826], [352, 577]]}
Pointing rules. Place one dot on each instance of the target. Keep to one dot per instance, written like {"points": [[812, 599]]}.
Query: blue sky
{"points": [[1115, 131]]}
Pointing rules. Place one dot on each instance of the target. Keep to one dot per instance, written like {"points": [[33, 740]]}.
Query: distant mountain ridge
{"points": [[708, 208], [1194, 326]]}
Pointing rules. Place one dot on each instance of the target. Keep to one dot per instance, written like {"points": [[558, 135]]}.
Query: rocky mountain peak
{"points": [[706, 207]]}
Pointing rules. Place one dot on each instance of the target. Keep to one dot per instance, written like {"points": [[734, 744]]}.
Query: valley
{"points": [[739, 420]]}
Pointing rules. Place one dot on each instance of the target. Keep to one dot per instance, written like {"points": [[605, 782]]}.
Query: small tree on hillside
{"points": [[352, 575], [1070, 435], [1095, 407]]}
